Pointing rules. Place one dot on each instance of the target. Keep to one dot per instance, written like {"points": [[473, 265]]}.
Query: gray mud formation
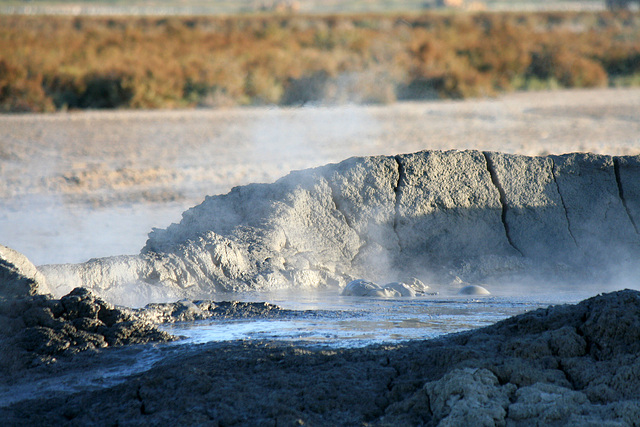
{"points": [[189, 311], [37, 329], [18, 276], [483, 217], [563, 365]]}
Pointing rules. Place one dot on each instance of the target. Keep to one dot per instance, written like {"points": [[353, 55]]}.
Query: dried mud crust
{"points": [[564, 365]]}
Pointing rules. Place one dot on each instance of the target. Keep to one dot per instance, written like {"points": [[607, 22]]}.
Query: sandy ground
{"points": [[88, 184]]}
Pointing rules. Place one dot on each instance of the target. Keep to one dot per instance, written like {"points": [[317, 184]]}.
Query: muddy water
{"points": [[331, 320]]}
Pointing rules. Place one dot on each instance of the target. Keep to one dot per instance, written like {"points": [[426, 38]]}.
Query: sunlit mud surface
{"points": [[336, 321]]}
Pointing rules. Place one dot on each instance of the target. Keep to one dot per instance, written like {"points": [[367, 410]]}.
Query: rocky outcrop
{"points": [[36, 329], [438, 216], [189, 311], [563, 365]]}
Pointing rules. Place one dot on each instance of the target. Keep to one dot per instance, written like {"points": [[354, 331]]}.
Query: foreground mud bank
{"points": [[37, 329], [448, 218], [564, 365]]}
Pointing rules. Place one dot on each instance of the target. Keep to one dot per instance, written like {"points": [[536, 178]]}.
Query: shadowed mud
{"points": [[564, 365]]}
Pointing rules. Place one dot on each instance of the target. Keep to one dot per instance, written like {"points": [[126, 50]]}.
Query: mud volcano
{"points": [[484, 217], [449, 218]]}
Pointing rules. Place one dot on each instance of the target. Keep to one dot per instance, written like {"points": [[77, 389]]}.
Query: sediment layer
{"points": [[479, 216]]}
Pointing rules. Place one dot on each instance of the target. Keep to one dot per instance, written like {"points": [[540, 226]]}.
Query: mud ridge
{"points": [[439, 216]]}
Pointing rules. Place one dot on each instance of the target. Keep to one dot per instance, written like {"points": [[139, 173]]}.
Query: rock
{"points": [[474, 290], [36, 329], [448, 209], [363, 288], [18, 276], [364, 191], [401, 288], [188, 311], [598, 219], [416, 284], [469, 397], [535, 211], [546, 404]]}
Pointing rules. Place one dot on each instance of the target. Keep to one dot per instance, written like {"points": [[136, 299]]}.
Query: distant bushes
{"points": [[52, 63]]}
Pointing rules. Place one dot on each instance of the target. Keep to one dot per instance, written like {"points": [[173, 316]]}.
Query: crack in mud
{"points": [[396, 191], [616, 169], [143, 410], [347, 221], [503, 199], [564, 206], [562, 368]]}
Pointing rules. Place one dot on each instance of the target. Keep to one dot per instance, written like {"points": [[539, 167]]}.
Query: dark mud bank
{"points": [[564, 365], [483, 217]]}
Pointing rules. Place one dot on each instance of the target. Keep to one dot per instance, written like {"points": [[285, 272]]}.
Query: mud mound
{"points": [[565, 365], [478, 216], [18, 276], [188, 311], [37, 329]]}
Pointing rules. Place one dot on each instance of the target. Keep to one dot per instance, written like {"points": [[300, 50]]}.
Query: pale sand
{"points": [[87, 184]]}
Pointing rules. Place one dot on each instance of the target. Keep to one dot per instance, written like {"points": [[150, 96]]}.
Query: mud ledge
{"points": [[439, 216]]}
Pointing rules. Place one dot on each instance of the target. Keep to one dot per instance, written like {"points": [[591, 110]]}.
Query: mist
{"points": [[61, 208]]}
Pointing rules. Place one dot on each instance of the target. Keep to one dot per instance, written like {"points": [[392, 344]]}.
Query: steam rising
{"points": [[448, 219], [190, 154]]}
